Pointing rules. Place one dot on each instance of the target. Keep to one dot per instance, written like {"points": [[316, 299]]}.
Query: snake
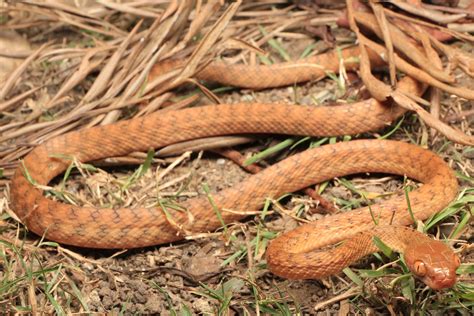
{"points": [[312, 250]]}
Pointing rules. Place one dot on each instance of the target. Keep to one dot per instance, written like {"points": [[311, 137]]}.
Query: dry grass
{"points": [[89, 66]]}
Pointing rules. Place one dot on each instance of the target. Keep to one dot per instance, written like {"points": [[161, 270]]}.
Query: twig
{"points": [[349, 293]]}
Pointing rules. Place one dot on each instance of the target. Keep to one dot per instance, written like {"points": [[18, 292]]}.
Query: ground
{"points": [[226, 274]]}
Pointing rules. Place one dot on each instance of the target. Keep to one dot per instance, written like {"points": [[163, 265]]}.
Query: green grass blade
{"points": [[271, 150]]}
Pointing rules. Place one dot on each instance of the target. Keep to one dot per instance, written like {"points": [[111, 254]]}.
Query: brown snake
{"points": [[296, 254]]}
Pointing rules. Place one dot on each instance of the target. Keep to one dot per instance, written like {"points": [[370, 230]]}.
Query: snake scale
{"points": [[296, 254]]}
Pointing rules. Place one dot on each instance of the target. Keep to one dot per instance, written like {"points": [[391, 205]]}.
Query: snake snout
{"points": [[441, 278], [438, 278], [434, 263]]}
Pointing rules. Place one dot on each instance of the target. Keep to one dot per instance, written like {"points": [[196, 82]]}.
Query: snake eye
{"points": [[420, 268]]}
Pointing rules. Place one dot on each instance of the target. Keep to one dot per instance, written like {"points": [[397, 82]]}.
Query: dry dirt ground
{"points": [[225, 273]]}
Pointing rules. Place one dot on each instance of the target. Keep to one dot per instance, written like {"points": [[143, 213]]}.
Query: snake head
{"points": [[434, 263]]}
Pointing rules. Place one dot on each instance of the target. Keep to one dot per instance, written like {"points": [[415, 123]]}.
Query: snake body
{"points": [[295, 254]]}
